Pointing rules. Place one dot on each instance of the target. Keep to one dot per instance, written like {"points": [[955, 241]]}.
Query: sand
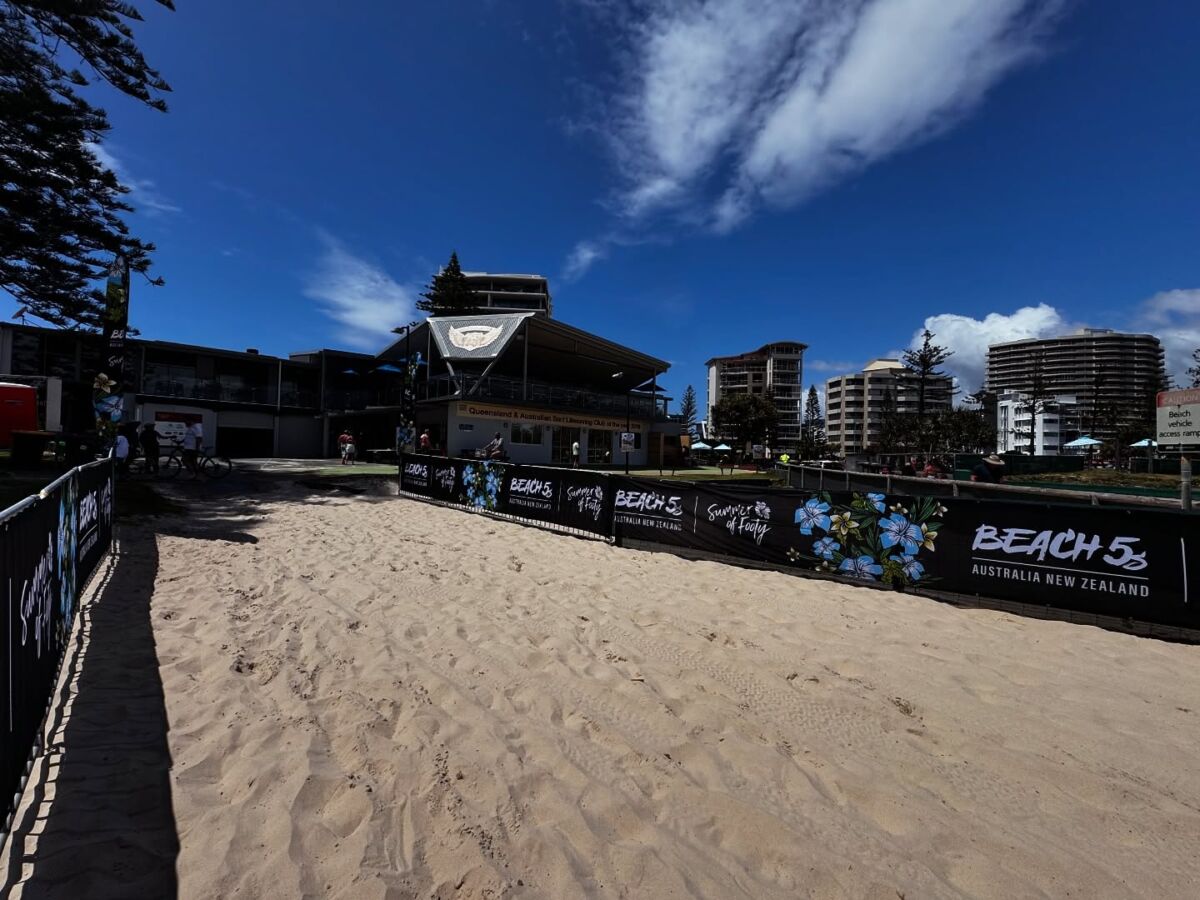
{"points": [[374, 697]]}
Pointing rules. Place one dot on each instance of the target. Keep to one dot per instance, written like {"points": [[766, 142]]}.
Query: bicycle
{"points": [[208, 464]]}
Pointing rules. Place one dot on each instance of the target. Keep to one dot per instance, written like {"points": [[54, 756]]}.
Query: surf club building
{"points": [[542, 385]]}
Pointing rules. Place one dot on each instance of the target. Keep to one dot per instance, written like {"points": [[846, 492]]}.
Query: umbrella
{"points": [[388, 367], [722, 447], [700, 445], [1083, 442], [1145, 442]]}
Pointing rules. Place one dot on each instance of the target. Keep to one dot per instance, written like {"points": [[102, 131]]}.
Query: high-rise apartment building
{"points": [[855, 404], [511, 293], [776, 370], [1113, 376]]}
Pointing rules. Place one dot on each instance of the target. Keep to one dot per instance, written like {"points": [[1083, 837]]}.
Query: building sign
{"points": [[628, 442], [542, 416], [473, 337], [173, 425], [1179, 417]]}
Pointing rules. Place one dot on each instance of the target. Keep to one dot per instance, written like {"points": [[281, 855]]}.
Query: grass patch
{"points": [[357, 471]]}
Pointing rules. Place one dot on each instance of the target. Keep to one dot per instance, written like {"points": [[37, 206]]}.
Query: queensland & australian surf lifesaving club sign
{"points": [[468, 411]]}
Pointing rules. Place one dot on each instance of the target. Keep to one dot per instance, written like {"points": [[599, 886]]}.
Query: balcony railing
{"points": [[556, 396], [207, 389]]}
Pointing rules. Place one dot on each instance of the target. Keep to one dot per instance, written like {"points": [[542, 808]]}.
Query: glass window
{"points": [[526, 434], [599, 446]]}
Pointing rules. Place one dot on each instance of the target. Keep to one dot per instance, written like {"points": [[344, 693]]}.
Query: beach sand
{"points": [[374, 697]]}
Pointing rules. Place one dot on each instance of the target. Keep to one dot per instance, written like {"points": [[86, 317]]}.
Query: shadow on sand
{"points": [[101, 822]]}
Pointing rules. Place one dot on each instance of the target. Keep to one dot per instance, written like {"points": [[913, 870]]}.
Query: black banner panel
{"points": [[1130, 563], [48, 551]]}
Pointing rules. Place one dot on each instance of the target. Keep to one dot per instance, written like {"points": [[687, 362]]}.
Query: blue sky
{"points": [[695, 178]]}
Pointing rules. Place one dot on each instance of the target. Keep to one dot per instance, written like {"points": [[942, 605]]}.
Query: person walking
{"points": [[151, 449], [345, 446]]}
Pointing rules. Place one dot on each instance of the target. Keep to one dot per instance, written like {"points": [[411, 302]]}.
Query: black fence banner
{"points": [[567, 497], [1137, 564], [49, 549], [1129, 563]]}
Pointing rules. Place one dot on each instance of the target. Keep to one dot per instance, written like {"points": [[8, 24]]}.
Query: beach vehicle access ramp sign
{"points": [[1179, 418]]}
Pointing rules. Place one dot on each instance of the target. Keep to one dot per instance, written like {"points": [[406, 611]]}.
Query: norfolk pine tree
{"points": [[60, 208], [687, 410], [923, 362], [448, 293]]}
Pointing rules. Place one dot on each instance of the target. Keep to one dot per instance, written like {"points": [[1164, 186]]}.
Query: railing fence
{"points": [[52, 543]]}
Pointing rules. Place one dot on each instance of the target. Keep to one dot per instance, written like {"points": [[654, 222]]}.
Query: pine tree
{"points": [[813, 428], [687, 410], [60, 209], [449, 293], [923, 362]]}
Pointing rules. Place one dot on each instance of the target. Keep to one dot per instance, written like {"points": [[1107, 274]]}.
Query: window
{"points": [[599, 446], [526, 434]]}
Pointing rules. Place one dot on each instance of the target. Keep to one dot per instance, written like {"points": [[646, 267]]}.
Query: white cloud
{"points": [[730, 104], [581, 258], [969, 338], [834, 367], [364, 299], [1174, 316], [143, 195]]}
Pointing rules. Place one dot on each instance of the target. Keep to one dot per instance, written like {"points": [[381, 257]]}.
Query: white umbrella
{"points": [[722, 447], [1083, 442], [700, 445], [1145, 442]]}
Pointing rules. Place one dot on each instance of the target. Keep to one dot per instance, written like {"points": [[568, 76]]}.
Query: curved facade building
{"points": [[1112, 375]]}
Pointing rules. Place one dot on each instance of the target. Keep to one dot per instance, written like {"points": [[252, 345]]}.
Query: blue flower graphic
{"points": [[879, 501], [896, 529], [825, 546], [862, 567], [913, 569], [813, 515]]}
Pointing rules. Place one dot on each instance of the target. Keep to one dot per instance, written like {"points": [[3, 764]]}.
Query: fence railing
{"points": [[815, 478], [50, 545], [1119, 563]]}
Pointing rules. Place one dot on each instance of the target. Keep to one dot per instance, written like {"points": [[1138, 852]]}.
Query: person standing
{"points": [[121, 453], [575, 454], [149, 440], [193, 438], [426, 442], [989, 471], [345, 442]]}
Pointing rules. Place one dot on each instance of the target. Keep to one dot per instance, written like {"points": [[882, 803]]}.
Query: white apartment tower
{"points": [[776, 370], [855, 404]]}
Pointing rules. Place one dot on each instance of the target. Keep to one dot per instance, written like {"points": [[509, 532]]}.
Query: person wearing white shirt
{"points": [[193, 437], [121, 452]]}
